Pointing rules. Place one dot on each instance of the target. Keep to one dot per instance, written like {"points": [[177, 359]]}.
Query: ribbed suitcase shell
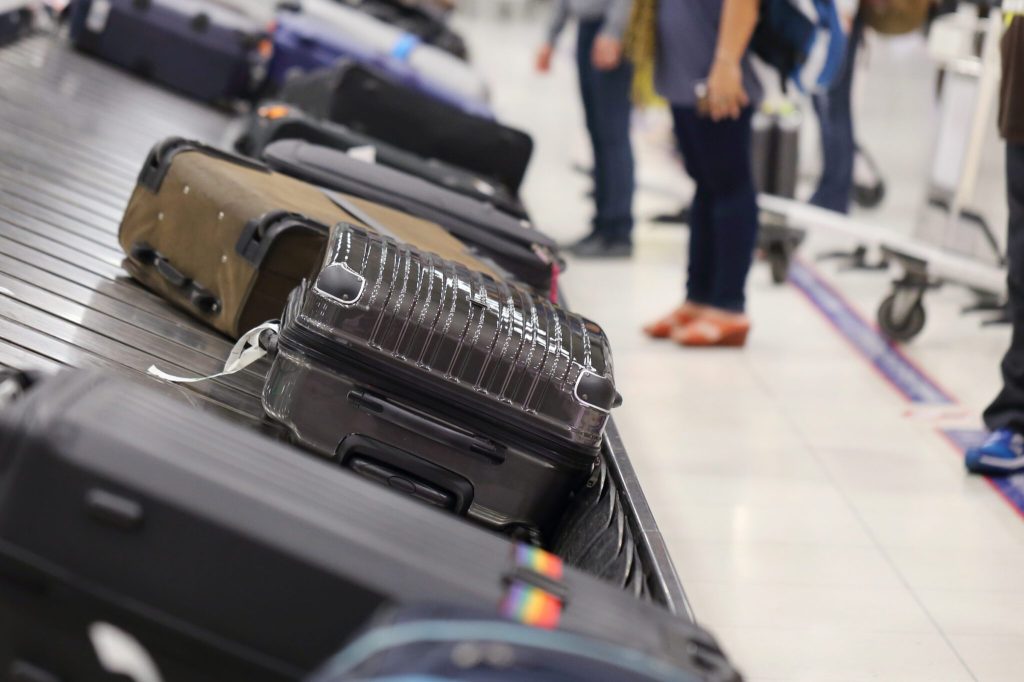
{"points": [[467, 393], [494, 347], [227, 555]]}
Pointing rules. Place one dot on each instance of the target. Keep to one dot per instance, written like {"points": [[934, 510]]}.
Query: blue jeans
{"points": [[724, 215], [838, 145], [607, 105]]}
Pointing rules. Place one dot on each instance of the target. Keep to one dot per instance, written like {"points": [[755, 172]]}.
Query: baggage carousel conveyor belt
{"points": [[73, 134]]}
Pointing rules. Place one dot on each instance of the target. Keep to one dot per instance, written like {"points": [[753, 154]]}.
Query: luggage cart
{"points": [[971, 79]]}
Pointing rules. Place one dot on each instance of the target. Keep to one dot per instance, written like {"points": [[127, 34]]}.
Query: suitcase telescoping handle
{"points": [[201, 298], [436, 431], [406, 473]]}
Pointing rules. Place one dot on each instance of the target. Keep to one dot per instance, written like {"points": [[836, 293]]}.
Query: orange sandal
{"points": [[709, 332], [680, 317]]}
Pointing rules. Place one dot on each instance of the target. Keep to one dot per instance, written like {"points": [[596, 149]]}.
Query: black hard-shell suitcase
{"points": [[194, 46], [369, 102], [512, 243], [442, 642], [273, 121], [229, 556], [473, 395]]}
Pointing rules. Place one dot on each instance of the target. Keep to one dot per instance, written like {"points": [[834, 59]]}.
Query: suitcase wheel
{"points": [[200, 22]]}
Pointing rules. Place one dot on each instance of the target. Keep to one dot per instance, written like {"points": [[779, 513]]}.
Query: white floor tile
{"points": [[817, 654], [788, 607], [940, 520], [992, 658], [924, 568], [767, 565], [976, 612]]}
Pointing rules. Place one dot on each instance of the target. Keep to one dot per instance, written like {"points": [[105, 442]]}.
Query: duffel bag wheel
{"points": [[900, 329]]}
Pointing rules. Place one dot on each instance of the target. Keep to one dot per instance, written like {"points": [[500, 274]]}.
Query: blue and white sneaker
{"points": [[1001, 455]]}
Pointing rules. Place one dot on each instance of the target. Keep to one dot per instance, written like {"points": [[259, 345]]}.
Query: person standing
{"points": [[834, 108], [703, 70], [605, 80], [1003, 452]]}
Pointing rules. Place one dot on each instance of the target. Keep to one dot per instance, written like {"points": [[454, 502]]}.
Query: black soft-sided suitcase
{"points": [[473, 395], [512, 243], [194, 46], [273, 121], [369, 102], [15, 20], [229, 556]]}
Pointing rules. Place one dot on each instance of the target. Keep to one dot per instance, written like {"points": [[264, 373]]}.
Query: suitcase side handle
{"points": [[406, 473], [159, 159], [436, 431], [199, 297]]}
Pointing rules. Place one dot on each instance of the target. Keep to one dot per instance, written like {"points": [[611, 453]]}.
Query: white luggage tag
{"points": [[366, 153], [99, 13], [247, 351], [121, 654]]}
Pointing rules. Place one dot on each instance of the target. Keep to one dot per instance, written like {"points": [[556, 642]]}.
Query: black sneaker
{"points": [[584, 244], [599, 248]]}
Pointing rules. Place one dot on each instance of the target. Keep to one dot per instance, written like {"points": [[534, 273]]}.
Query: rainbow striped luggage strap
{"points": [[536, 595]]}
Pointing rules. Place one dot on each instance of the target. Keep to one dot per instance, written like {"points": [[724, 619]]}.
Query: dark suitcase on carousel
{"points": [[442, 642], [194, 46], [16, 18], [513, 243], [369, 102], [274, 121], [325, 32], [226, 239], [229, 556], [468, 393]]}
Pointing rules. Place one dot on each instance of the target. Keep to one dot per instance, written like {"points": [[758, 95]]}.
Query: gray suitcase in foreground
{"points": [[230, 556], [466, 392]]}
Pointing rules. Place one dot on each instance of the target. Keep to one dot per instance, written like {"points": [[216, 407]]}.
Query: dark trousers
{"points": [[1008, 409], [724, 216], [838, 145], [607, 105]]}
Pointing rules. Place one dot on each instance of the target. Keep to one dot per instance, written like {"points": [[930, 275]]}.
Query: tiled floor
{"points": [[822, 528]]}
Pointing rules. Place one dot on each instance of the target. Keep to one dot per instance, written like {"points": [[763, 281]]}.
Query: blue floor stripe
{"points": [[886, 357]]}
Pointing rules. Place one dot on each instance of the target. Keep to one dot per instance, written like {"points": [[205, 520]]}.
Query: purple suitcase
{"points": [[305, 43], [197, 47]]}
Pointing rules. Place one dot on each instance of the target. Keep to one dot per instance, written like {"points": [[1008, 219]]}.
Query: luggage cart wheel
{"points": [[901, 315]]}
